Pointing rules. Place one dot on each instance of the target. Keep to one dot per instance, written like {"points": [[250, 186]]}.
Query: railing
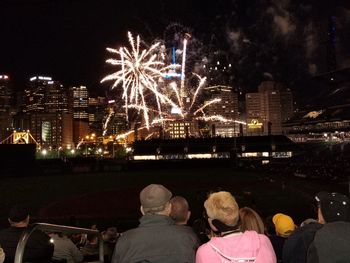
{"points": [[55, 228]]}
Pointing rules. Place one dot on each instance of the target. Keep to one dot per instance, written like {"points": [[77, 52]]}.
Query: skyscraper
{"points": [[97, 108], [6, 93], [266, 109], [44, 112], [227, 108], [6, 100], [78, 105]]}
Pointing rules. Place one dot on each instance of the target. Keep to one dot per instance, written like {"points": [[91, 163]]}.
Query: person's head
{"points": [[92, 239], [250, 220], [110, 234], [179, 210], [308, 221], [284, 224], [222, 211], [18, 216], [155, 199], [332, 207]]}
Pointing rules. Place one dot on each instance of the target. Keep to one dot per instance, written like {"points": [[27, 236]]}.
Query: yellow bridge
{"points": [[20, 138]]}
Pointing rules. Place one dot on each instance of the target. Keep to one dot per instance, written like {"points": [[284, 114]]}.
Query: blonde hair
{"points": [[222, 206], [250, 220]]}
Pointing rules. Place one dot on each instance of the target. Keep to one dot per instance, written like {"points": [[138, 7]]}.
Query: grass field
{"points": [[112, 197]]}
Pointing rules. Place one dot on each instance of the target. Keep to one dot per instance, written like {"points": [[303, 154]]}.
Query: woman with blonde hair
{"points": [[250, 220], [232, 244]]}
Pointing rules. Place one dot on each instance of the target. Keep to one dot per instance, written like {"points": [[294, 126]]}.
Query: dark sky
{"points": [[66, 39]]}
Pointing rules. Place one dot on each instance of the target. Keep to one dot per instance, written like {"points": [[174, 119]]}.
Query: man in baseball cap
{"points": [[331, 242], [333, 207], [157, 238], [154, 198]]}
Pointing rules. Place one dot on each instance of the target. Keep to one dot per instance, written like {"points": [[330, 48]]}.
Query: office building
{"points": [[266, 109], [226, 108]]}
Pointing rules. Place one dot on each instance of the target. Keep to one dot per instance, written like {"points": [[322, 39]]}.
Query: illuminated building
{"points": [[254, 113], [227, 108], [56, 98], [45, 113], [50, 130], [182, 129], [78, 105], [6, 98], [287, 106], [45, 95], [264, 109], [117, 122], [5, 94], [97, 108], [243, 148]]}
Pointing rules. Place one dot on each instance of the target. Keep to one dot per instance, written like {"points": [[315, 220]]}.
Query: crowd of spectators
{"points": [[226, 233]]}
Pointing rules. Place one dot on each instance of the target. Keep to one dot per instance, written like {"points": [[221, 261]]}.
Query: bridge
{"points": [[21, 138]]}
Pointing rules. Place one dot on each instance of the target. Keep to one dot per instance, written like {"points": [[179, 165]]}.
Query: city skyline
{"points": [[67, 39]]}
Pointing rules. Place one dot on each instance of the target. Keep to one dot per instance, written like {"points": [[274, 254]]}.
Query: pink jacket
{"points": [[244, 247]]}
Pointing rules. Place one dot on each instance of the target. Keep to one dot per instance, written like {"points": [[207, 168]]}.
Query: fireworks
{"points": [[139, 75], [144, 78]]}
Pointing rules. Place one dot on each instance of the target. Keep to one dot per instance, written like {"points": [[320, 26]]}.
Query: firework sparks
{"points": [[139, 74], [142, 78]]}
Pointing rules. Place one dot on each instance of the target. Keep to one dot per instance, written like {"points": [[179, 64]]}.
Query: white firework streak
{"points": [[124, 135], [139, 76], [182, 92], [219, 118], [139, 73], [174, 88], [200, 85], [106, 123], [206, 105], [156, 121]]}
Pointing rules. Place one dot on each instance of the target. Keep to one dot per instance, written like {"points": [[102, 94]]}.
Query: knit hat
{"points": [[154, 195], [284, 224], [334, 206], [18, 213]]}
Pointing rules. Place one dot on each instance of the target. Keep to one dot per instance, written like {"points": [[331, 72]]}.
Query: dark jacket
{"points": [[277, 243], [331, 244], [38, 248], [296, 246], [156, 239]]}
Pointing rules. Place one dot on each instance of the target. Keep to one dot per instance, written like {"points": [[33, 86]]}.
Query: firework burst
{"points": [[145, 88], [138, 74]]}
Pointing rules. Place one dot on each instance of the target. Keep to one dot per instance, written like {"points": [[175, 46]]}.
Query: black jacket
{"points": [[38, 248], [156, 239], [296, 246], [331, 244]]}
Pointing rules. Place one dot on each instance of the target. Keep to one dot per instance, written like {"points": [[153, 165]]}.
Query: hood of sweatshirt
{"points": [[244, 246]]}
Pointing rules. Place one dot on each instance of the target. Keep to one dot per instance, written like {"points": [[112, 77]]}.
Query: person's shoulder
{"points": [[204, 246], [181, 230], [339, 227], [254, 235], [11, 231], [39, 235], [128, 234], [4, 230]]}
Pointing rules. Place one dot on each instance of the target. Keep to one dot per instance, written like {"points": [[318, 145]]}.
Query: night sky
{"points": [[66, 39]]}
